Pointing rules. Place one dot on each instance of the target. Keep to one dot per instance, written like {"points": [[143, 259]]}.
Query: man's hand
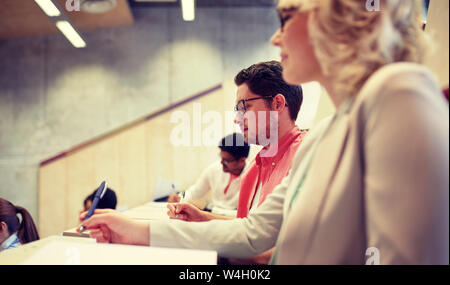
{"points": [[110, 226], [187, 212], [173, 198]]}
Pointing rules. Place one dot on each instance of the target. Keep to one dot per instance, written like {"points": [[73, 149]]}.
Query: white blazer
{"points": [[375, 182]]}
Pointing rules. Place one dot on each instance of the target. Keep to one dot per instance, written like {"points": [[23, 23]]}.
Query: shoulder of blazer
{"points": [[391, 73], [309, 139]]}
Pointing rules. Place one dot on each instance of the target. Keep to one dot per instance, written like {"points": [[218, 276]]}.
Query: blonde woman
{"points": [[368, 185]]}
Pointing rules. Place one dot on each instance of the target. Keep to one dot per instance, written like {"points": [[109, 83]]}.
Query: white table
{"points": [[62, 250]]}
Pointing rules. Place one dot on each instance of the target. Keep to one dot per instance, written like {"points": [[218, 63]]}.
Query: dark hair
{"points": [[108, 201], [235, 145], [26, 230], [266, 79]]}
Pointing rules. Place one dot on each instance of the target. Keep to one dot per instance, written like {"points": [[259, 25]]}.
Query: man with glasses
{"points": [[266, 111], [222, 178], [262, 93]]}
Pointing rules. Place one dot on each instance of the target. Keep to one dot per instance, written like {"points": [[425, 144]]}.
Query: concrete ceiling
{"points": [[24, 18]]}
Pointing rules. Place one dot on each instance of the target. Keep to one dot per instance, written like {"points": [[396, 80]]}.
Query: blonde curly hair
{"points": [[351, 42]]}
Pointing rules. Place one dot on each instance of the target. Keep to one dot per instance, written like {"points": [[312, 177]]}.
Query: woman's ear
{"points": [[3, 227]]}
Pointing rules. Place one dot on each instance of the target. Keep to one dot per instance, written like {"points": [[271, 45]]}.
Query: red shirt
{"points": [[269, 171]]}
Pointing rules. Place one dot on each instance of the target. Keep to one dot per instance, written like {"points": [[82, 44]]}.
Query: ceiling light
{"points": [[48, 7], [70, 33], [188, 9]]}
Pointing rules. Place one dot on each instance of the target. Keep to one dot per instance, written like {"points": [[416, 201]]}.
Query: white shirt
{"points": [[255, 202], [215, 180], [11, 242]]}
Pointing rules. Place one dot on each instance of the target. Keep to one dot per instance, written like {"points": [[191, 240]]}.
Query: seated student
{"points": [[108, 201], [14, 233], [222, 177], [259, 81]]}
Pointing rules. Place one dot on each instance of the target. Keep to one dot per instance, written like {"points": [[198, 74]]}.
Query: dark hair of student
{"points": [[235, 145], [108, 201], [26, 229], [266, 79]]}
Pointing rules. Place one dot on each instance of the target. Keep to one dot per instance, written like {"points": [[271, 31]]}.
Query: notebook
{"points": [[73, 233]]}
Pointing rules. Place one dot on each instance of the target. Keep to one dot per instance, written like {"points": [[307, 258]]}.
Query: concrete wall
{"points": [[54, 97]]}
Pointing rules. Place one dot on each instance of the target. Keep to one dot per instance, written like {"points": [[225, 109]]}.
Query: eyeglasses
{"points": [[240, 107], [226, 161], [285, 14]]}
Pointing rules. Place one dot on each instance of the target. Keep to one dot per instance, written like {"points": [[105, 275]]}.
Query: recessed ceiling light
{"points": [[48, 7], [71, 34], [188, 9]]}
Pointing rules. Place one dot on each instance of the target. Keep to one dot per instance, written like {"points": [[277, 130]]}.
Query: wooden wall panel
{"points": [[106, 163], [81, 181], [159, 152], [52, 198], [132, 167]]}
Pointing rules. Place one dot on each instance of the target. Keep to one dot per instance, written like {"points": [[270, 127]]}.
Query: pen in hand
{"points": [[98, 195]]}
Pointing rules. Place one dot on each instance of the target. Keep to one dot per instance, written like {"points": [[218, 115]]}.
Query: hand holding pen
{"points": [[101, 190]]}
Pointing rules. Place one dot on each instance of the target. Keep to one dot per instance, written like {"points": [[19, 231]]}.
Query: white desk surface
{"points": [[60, 250], [149, 211]]}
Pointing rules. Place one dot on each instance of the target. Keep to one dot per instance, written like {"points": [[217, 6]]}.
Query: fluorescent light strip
{"points": [[188, 9], [70, 33], [48, 7]]}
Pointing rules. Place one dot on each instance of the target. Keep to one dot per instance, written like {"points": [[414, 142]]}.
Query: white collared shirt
{"points": [[11, 242], [213, 178]]}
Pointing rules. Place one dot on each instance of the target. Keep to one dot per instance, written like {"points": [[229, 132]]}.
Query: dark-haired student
{"points": [[222, 178], [15, 232], [108, 201]]}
